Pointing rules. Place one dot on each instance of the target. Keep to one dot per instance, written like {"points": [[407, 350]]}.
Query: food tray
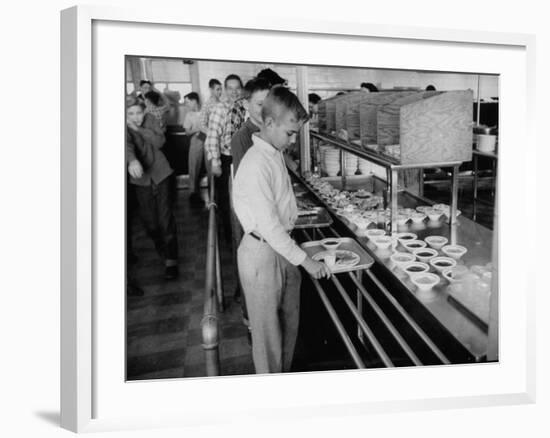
{"points": [[365, 262], [319, 219]]}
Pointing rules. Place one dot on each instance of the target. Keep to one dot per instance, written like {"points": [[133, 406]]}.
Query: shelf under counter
{"points": [[467, 329]]}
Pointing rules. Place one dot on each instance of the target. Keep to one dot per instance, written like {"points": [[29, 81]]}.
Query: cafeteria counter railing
{"points": [[213, 291]]}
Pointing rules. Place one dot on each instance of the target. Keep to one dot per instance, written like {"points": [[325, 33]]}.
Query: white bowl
{"points": [[418, 217], [411, 245], [405, 237], [440, 264], [330, 243], [425, 254], [382, 242], [436, 242], [400, 259], [422, 208], [413, 268], [456, 274], [425, 281], [402, 219], [375, 232], [454, 251], [434, 214]]}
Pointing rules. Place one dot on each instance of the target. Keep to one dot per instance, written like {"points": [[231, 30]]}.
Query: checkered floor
{"points": [[163, 326]]}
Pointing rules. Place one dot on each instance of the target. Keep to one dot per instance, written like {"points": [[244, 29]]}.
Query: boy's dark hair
{"points": [[272, 77], [254, 85], [130, 102], [232, 77], [153, 96], [369, 86], [193, 96], [430, 88], [314, 98], [144, 81], [280, 100], [213, 82]]}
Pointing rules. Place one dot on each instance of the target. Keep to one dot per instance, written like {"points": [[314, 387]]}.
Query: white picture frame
{"points": [[87, 376]]}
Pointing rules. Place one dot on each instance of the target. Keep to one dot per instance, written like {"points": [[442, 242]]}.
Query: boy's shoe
{"points": [[171, 272]]}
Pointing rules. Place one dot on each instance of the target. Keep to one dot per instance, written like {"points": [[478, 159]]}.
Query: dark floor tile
{"points": [[157, 327], [154, 362]]}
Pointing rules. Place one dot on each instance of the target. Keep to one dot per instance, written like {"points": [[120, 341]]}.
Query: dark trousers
{"points": [[155, 210], [222, 196]]}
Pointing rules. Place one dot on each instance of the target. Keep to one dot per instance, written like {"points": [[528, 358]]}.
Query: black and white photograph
{"points": [[286, 218]]}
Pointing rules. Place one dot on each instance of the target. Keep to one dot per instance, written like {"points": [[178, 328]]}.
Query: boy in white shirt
{"points": [[268, 257]]}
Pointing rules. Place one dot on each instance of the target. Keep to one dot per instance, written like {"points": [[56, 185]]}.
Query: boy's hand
{"points": [[216, 169], [134, 169], [133, 126], [316, 269]]}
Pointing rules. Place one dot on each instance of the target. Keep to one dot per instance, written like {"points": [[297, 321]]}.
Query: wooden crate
{"points": [[340, 114], [437, 129], [368, 110], [388, 117], [352, 115]]}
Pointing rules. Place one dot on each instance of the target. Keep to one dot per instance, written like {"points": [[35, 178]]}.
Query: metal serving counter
{"points": [[470, 331]]}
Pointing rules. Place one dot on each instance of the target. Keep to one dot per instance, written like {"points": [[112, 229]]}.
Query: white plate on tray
{"points": [[344, 258]]}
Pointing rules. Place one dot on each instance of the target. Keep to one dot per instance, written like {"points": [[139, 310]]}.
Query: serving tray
{"points": [[316, 217], [348, 244]]}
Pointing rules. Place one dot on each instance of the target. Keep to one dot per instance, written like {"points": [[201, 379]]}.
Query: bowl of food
{"points": [[405, 237], [425, 281], [382, 242], [456, 274], [375, 232], [433, 214], [436, 242], [442, 263], [422, 208], [425, 254], [418, 217], [411, 245], [331, 243], [402, 219], [400, 259], [454, 251], [413, 268]]}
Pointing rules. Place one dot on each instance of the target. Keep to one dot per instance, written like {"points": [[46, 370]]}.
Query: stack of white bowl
{"points": [[364, 166], [331, 160], [351, 163]]}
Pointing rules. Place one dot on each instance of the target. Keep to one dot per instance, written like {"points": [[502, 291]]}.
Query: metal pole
{"points": [[454, 202], [393, 206], [364, 326], [305, 146], [219, 282], [339, 327]]}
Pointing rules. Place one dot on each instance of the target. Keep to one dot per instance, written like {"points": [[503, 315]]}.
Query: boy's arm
{"points": [[216, 125], [152, 131]]}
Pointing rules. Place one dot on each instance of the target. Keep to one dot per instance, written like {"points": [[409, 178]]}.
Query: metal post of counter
{"points": [[302, 93], [454, 202]]}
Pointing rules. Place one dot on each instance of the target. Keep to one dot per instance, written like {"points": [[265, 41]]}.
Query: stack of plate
{"points": [[351, 163], [331, 160], [364, 166]]}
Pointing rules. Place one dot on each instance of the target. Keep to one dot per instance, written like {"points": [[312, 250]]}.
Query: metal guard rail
{"points": [[213, 292]]}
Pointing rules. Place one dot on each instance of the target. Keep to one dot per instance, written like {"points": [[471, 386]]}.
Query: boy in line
{"points": [[149, 174], [268, 257], [217, 149], [192, 126]]}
